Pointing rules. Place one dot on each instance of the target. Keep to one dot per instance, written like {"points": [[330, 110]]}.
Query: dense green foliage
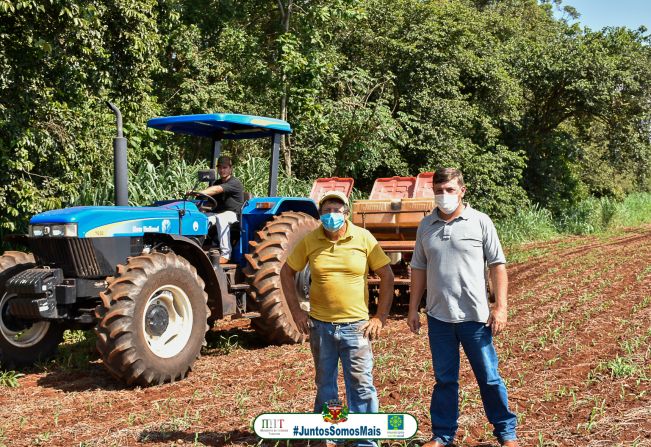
{"points": [[532, 109]]}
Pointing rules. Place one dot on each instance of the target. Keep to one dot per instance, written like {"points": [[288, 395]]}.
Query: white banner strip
{"points": [[354, 426]]}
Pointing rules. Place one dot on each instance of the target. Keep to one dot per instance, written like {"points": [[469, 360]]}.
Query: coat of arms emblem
{"points": [[334, 411]]}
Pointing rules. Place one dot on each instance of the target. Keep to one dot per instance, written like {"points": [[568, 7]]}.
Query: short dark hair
{"points": [[224, 160], [334, 199], [444, 175]]}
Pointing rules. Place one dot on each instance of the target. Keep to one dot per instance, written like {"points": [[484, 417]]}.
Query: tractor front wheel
{"points": [[23, 343], [267, 255], [152, 321]]}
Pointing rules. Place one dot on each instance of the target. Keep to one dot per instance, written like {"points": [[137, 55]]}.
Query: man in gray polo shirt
{"points": [[452, 246]]}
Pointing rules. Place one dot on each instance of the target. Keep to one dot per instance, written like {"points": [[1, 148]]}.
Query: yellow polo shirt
{"points": [[338, 293]]}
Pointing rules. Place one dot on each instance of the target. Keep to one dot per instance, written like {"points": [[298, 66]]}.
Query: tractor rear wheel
{"points": [[22, 343], [266, 257], [152, 320]]}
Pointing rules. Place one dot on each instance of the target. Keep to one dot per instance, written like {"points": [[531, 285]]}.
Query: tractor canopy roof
{"points": [[227, 126]]}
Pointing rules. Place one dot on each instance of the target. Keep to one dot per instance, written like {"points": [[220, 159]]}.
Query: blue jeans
{"points": [[331, 342], [477, 342]]}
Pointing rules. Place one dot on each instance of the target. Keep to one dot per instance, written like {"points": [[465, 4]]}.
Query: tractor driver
{"points": [[228, 192]]}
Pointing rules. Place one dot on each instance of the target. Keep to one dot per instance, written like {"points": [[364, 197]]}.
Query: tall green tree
{"points": [[531, 108]]}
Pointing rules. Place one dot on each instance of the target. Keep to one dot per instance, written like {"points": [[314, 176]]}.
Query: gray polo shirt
{"points": [[453, 254]]}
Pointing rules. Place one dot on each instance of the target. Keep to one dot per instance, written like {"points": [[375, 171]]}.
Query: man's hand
{"points": [[302, 321], [372, 328], [499, 314], [413, 321], [497, 319]]}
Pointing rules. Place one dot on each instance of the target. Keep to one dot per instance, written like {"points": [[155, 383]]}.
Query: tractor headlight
{"points": [[67, 230], [58, 230], [36, 230], [70, 230]]}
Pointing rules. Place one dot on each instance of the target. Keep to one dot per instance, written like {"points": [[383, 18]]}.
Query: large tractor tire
{"points": [[266, 257], [152, 320], [23, 344]]}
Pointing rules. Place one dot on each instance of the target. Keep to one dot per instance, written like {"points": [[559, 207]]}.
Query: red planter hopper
{"points": [[424, 185], [323, 185], [393, 188]]}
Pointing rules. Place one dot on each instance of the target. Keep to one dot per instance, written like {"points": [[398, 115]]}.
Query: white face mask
{"points": [[447, 203]]}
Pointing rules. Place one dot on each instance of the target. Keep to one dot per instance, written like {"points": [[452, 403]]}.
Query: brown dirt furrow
{"points": [[596, 342], [576, 358]]}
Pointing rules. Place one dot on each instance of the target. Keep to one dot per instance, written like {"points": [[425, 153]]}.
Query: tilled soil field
{"points": [[576, 358]]}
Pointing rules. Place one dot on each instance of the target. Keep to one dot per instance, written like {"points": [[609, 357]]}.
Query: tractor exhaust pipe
{"points": [[120, 172]]}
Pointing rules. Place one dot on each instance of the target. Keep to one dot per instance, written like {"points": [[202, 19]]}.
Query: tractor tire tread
{"points": [[266, 256], [115, 337]]}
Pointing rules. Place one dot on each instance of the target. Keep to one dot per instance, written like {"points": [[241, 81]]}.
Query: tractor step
{"points": [[239, 286], [250, 315], [86, 316], [226, 267]]}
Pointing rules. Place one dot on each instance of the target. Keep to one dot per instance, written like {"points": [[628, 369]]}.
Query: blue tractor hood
{"points": [[227, 126], [115, 221]]}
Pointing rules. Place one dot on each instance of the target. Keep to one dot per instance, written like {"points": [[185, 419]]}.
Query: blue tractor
{"points": [[143, 277]]}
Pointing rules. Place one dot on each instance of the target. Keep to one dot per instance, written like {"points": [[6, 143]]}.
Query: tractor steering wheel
{"points": [[204, 198]]}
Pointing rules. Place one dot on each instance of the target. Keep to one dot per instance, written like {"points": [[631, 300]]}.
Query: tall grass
{"points": [[528, 224], [149, 183], [253, 172], [590, 216], [635, 210]]}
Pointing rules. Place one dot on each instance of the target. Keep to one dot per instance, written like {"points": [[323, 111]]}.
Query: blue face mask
{"points": [[333, 221]]}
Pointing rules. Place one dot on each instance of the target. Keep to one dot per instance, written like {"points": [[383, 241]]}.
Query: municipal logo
{"points": [[334, 411], [396, 422]]}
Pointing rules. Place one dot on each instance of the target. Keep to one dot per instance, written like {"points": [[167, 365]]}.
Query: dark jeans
{"points": [[477, 342]]}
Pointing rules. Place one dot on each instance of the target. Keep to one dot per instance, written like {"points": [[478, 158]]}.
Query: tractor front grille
{"points": [[75, 256]]}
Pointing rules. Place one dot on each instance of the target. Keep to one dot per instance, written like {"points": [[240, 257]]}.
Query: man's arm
{"points": [[499, 312], [416, 289], [213, 190], [373, 327], [300, 317]]}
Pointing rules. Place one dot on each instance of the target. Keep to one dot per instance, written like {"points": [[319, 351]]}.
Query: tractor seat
{"points": [[235, 226]]}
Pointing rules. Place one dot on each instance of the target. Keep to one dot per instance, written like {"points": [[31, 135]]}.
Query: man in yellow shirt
{"points": [[339, 255]]}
